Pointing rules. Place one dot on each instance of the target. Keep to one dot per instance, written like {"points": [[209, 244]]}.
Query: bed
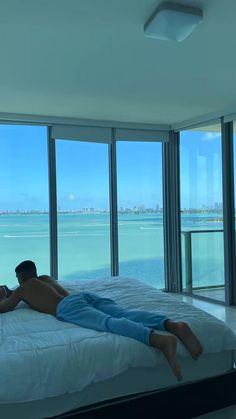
{"points": [[55, 369]]}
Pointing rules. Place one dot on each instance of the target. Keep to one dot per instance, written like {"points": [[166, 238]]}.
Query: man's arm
{"points": [[8, 304]]}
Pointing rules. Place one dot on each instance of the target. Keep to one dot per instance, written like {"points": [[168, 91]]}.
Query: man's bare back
{"points": [[42, 293]]}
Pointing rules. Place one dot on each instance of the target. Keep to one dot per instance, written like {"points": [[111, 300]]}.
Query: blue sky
{"points": [[201, 169], [82, 171]]}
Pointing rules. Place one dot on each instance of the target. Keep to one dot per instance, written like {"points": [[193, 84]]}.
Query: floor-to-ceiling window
{"points": [[24, 221], [140, 211], [83, 209], [82, 183], [202, 212]]}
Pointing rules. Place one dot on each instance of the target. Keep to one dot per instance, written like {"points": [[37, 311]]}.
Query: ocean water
{"points": [[84, 246]]}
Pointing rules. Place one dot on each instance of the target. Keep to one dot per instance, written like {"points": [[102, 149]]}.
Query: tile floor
{"points": [[215, 293], [225, 313], [227, 413], [228, 315]]}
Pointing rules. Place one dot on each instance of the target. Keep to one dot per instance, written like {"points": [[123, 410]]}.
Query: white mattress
{"points": [[43, 358]]}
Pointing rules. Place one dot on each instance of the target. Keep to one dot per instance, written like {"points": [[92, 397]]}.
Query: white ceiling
{"points": [[90, 59]]}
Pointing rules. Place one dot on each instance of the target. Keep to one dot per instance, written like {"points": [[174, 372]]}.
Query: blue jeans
{"points": [[94, 312]]}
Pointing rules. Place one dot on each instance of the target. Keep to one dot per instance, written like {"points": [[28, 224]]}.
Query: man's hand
{"points": [[8, 304], [5, 291], [2, 291], [8, 291]]}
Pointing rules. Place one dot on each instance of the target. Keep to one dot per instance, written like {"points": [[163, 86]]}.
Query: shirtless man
{"points": [[86, 309]]}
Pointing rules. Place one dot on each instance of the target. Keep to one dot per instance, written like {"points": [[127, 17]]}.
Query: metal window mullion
{"points": [[113, 207], [188, 261], [166, 216], [176, 209], [52, 206], [228, 211], [171, 215]]}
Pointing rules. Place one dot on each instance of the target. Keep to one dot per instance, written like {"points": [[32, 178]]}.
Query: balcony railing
{"points": [[188, 259]]}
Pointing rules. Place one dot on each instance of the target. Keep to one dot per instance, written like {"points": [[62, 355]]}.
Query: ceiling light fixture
{"points": [[172, 21]]}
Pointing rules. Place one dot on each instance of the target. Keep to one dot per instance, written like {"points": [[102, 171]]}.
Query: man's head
{"points": [[25, 270]]}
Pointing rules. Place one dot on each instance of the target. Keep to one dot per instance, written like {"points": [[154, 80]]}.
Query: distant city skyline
{"points": [[83, 172], [90, 210]]}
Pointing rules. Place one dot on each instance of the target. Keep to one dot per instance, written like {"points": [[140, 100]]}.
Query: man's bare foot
{"points": [[167, 345], [187, 337]]}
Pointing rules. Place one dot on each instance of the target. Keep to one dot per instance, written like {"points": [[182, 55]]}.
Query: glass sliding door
{"points": [[24, 220], [234, 153], [140, 211], [83, 209], [202, 212]]}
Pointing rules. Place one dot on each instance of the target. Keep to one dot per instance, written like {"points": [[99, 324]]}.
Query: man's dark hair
{"points": [[26, 266]]}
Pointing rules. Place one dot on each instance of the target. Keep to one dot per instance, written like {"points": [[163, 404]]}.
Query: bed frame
{"points": [[186, 401]]}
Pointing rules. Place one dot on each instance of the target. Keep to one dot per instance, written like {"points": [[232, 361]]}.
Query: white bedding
{"points": [[42, 357]]}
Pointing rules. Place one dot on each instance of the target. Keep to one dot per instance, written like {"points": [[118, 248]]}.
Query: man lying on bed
{"points": [[89, 310]]}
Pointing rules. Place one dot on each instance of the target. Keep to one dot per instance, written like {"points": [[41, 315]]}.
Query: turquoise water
{"points": [[84, 246]]}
